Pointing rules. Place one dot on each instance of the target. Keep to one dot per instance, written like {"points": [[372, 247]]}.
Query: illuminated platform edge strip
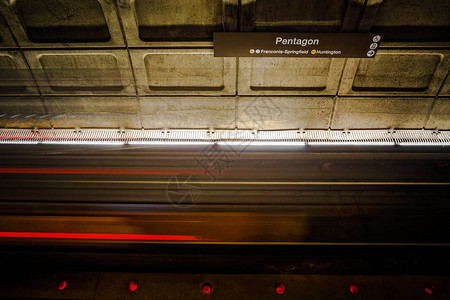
{"points": [[238, 138]]}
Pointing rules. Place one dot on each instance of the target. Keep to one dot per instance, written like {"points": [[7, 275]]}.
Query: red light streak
{"points": [[100, 236]]}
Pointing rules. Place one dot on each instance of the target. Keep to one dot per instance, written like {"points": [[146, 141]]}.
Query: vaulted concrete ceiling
{"points": [[150, 64]]}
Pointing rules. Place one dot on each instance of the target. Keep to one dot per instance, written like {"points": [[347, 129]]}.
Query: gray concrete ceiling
{"points": [[150, 64]]}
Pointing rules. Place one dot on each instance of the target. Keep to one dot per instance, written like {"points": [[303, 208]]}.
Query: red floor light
{"points": [[280, 289], [354, 289], [206, 288], [132, 286], [430, 289], [62, 285]]}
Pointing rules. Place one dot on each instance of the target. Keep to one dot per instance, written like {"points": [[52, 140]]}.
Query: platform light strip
{"points": [[238, 138]]}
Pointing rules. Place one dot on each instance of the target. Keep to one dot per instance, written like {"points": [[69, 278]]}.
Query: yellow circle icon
{"points": [[252, 51], [313, 51]]}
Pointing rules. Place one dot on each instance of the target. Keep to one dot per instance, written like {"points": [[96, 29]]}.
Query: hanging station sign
{"points": [[243, 44]]}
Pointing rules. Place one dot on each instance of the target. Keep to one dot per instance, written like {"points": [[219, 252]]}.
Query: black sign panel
{"points": [[242, 44]]}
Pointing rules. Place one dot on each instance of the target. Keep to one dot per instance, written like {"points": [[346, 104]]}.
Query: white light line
{"points": [[260, 143], [351, 143], [168, 143]]}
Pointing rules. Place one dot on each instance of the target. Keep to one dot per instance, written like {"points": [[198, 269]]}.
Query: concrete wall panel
{"points": [[82, 72], [93, 112], [63, 23], [6, 38], [413, 22], [445, 90], [362, 113], [396, 72], [188, 72], [188, 112], [176, 22], [288, 76], [170, 45], [300, 16], [440, 115], [22, 112], [284, 112], [15, 76]]}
